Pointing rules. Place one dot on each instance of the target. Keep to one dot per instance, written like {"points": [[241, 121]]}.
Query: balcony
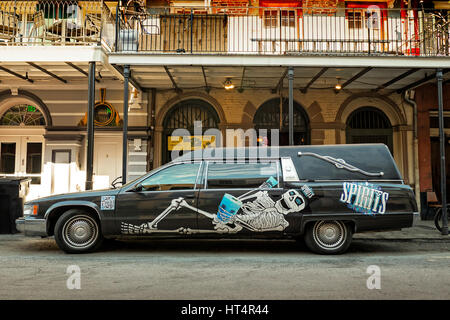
{"points": [[283, 31], [247, 30], [37, 23]]}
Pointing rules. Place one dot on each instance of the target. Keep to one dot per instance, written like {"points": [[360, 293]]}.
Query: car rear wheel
{"points": [[78, 231], [328, 237]]}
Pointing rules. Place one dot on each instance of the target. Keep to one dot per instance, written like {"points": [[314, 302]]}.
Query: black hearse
{"points": [[321, 193]]}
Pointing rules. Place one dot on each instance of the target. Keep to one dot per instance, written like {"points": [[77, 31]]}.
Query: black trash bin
{"points": [[13, 191]]}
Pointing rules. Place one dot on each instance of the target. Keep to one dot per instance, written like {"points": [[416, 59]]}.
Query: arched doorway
{"points": [[183, 115], [22, 155], [369, 125], [268, 117]]}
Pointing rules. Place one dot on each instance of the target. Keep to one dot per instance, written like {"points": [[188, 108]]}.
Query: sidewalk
{"points": [[422, 230]]}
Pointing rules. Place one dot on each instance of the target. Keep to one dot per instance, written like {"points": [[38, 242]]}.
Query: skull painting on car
{"points": [[290, 201], [255, 211]]}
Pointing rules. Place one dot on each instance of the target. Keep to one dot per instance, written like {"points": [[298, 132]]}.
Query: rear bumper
{"points": [[385, 222], [32, 227], [416, 218]]}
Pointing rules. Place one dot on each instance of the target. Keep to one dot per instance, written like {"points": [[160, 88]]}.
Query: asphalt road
{"points": [[34, 268]]}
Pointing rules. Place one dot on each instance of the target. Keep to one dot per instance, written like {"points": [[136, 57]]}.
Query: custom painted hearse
{"points": [[323, 194]]}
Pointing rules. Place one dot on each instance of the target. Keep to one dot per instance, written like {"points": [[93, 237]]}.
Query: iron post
{"points": [[126, 78], [442, 151], [291, 105], [90, 127]]}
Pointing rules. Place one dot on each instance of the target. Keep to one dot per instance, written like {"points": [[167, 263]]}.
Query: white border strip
{"points": [[277, 61], [52, 54]]}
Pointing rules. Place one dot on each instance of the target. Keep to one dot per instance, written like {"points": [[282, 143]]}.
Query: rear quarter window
{"points": [[240, 175]]}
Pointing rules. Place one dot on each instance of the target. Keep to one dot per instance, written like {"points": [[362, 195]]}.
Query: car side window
{"points": [[240, 175], [177, 177]]}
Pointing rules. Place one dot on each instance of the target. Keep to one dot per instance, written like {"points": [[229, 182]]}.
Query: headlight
{"points": [[30, 210]]}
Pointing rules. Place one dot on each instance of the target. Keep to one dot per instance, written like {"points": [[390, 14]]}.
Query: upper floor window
{"points": [[362, 19], [277, 18], [23, 115], [354, 19], [270, 18], [287, 18]]}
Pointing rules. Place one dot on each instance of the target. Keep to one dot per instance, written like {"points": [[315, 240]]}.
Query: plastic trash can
{"points": [[13, 191]]}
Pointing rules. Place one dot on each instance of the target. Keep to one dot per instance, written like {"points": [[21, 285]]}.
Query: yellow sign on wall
{"points": [[187, 143]]}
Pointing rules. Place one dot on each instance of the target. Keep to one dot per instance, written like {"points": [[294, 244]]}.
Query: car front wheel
{"points": [[77, 231], [328, 237]]}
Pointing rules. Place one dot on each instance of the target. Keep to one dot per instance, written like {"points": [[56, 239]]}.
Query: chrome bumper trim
{"points": [[416, 218], [32, 227]]}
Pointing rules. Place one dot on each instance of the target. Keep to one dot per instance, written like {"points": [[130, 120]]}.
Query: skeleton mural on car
{"points": [[254, 210]]}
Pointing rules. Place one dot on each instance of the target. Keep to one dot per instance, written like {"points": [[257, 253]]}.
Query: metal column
{"points": [[90, 126], [126, 78], [442, 150], [291, 105]]}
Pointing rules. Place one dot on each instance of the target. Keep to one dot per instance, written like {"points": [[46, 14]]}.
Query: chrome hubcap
{"points": [[80, 231], [329, 234]]}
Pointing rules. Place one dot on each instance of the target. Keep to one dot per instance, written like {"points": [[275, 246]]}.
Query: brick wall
{"points": [[321, 107], [426, 99], [233, 6], [320, 6]]}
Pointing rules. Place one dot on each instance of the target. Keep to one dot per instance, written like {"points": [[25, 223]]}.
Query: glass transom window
{"points": [[23, 115]]}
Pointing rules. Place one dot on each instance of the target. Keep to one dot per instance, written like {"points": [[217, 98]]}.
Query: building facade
{"points": [[346, 67]]}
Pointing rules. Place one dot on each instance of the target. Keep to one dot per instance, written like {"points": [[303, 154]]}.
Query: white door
{"points": [[61, 171], [106, 163], [23, 156]]}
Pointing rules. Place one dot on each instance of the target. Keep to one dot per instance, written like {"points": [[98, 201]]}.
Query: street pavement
{"points": [[413, 264]]}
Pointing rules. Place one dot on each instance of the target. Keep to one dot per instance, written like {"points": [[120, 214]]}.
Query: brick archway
{"points": [[186, 96]]}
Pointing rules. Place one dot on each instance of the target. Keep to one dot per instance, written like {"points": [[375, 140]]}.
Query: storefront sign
{"points": [[191, 142]]}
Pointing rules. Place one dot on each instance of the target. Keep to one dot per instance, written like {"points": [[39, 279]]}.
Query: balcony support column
{"points": [[126, 79], [90, 127], [291, 105], [442, 151]]}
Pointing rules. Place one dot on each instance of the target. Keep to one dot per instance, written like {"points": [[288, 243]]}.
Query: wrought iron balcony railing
{"points": [[226, 30], [283, 31], [48, 22]]}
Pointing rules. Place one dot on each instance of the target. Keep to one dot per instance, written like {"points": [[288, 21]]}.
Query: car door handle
{"points": [[189, 196]]}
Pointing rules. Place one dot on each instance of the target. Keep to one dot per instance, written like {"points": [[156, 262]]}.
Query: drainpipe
{"points": [[151, 123], [413, 104], [291, 105], [439, 79], [90, 127], [126, 78]]}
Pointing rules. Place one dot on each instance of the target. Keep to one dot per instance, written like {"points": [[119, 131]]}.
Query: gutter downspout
{"points": [[151, 102], [413, 104]]}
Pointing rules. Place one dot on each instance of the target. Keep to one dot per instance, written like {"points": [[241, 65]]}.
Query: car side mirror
{"points": [[116, 181]]}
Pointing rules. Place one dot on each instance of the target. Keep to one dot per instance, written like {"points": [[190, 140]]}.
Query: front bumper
{"points": [[32, 227]]}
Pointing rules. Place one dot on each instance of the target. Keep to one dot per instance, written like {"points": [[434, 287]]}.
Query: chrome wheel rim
{"points": [[80, 232], [329, 234]]}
